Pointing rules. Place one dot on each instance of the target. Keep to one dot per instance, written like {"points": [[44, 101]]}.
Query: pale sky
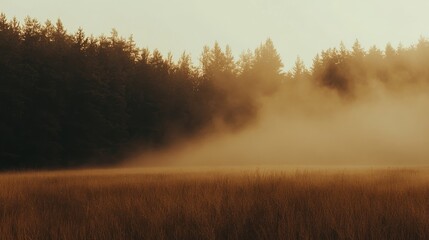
{"points": [[297, 27]]}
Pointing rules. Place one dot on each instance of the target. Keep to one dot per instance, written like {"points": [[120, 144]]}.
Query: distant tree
{"points": [[245, 63], [389, 51], [12, 94], [374, 63], [299, 71], [332, 72], [421, 55], [267, 69], [357, 51]]}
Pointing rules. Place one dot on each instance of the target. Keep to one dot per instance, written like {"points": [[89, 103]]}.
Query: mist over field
{"points": [[312, 127]]}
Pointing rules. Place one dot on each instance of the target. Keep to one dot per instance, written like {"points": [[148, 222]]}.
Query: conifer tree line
{"points": [[68, 99]]}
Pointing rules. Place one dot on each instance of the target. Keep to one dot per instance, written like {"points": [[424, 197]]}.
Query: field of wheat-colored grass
{"points": [[215, 204]]}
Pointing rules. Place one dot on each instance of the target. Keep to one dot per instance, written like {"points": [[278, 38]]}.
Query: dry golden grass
{"points": [[156, 204]]}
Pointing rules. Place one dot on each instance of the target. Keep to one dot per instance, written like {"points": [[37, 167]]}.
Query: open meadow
{"points": [[215, 204]]}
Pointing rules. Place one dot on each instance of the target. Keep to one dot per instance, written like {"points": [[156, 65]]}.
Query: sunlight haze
{"points": [[109, 131], [297, 28]]}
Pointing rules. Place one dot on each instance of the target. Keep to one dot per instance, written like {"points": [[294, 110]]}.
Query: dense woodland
{"points": [[68, 99]]}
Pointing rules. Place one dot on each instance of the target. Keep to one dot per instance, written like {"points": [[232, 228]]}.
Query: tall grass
{"points": [[316, 204]]}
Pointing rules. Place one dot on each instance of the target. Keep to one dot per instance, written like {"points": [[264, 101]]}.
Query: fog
{"points": [[311, 126]]}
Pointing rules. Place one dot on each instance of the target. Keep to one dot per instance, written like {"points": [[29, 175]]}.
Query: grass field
{"points": [[215, 204]]}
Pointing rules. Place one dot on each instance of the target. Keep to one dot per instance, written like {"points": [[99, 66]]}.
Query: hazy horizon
{"points": [[297, 28]]}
